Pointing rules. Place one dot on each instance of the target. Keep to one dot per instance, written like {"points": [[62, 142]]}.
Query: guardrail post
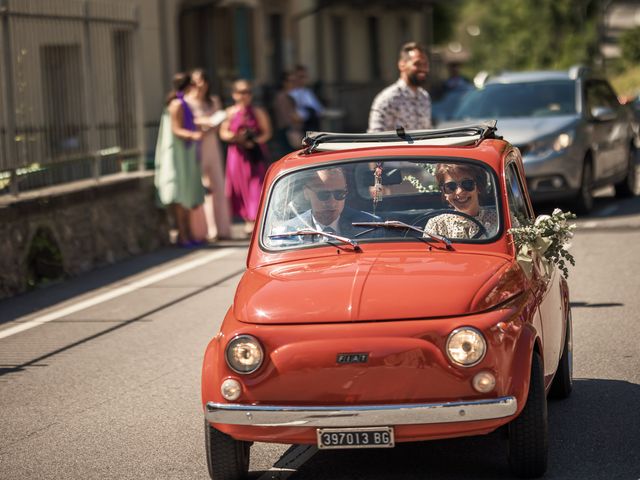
{"points": [[9, 105]]}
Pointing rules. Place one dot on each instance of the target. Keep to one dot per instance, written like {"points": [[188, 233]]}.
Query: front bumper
{"points": [[359, 416]]}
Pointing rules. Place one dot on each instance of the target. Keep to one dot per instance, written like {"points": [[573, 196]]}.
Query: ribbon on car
{"points": [[524, 256]]}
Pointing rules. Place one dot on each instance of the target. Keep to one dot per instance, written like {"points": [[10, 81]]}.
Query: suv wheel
{"points": [[628, 187], [584, 201]]}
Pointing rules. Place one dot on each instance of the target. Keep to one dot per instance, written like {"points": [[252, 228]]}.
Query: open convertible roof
{"points": [[456, 136]]}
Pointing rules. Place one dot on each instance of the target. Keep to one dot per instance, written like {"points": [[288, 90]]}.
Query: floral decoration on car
{"points": [[549, 235]]}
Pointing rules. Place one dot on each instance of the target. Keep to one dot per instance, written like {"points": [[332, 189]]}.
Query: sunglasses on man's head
{"points": [[324, 195], [468, 185]]}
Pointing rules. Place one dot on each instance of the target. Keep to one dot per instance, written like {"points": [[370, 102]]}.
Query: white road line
{"points": [[289, 463], [103, 297]]}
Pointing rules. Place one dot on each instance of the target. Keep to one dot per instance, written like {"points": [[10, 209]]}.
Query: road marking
{"points": [[117, 292], [290, 462]]}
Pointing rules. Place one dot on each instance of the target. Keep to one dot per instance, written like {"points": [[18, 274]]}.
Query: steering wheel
{"points": [[422, 220]]}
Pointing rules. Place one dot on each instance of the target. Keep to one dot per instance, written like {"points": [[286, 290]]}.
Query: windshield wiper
{"points": [[405, 226], [311, 231]]}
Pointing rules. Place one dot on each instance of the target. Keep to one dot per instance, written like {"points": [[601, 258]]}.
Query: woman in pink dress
{"points": [[213, 220], [247, 129]]}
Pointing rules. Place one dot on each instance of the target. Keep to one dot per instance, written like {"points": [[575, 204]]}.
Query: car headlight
{"points": [[466, 346], [551, 144], [244, 354]]}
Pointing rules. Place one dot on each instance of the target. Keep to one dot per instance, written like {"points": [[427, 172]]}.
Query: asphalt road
{"points": [[100, 375]]}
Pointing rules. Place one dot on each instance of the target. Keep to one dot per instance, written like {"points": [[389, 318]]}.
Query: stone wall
{"points": [[92, 223]]}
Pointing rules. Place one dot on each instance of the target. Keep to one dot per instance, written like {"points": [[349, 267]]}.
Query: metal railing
{"points": [[70, 92]]}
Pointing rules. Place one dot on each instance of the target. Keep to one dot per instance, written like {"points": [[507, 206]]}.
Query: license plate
{"points": [[368, 437]]}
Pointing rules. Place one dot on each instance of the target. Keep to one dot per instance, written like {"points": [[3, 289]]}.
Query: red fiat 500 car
{"points": [[383, 303]]}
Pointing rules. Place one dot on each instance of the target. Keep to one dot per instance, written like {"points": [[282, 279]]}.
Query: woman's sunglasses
{"points": [[324, 195], [243, 92], [468, 185]]}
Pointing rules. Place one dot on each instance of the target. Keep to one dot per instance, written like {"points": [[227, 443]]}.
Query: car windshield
{"points": [[355, 202], [534, 99]]}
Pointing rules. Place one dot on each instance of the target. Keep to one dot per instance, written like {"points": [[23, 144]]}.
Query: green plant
{"points": [[549, 235]]}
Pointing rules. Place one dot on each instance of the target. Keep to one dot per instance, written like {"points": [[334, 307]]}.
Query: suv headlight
{"points": [[555, 143], [244, 354], [466, 346]]}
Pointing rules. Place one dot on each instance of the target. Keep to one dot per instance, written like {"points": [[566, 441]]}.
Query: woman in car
{"points": [[462, 187]]}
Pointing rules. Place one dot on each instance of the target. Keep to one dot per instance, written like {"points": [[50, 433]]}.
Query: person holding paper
{"points": [[209, 114]]}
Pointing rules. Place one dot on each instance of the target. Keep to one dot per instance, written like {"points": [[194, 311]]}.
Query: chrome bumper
{"points": [[359, 416]]}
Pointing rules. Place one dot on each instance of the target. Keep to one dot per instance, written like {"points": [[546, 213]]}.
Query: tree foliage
{"points": [[521, 35], [630, 45]]}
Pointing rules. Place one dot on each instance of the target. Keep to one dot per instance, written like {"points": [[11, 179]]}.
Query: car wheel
{"points": [[563, 380], [628, 187], [584, 201], [528, 444], [227, 459]]}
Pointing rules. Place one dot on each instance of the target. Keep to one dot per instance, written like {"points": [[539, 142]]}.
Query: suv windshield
{"points": [[534, 99], [436, 201]]}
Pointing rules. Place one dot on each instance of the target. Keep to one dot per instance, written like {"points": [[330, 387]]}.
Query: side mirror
{"points": [[603, 114]]}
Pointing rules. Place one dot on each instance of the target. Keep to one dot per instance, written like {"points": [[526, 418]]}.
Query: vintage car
{"points": [[359, 324]]}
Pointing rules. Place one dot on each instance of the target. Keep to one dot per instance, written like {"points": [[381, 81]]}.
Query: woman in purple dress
{"points": [[246, 129]]}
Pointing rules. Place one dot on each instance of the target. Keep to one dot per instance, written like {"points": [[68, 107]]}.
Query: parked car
{"points": [[380, 330], [570, 128]]}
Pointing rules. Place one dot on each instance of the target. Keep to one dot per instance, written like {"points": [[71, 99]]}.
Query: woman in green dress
{"points": [[177, 179]]}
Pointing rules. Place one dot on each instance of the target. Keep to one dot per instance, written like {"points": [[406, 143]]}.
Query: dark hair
{"points": [[410, 47], [180, 83], [477, 173], [205, 77], [284, 78]]}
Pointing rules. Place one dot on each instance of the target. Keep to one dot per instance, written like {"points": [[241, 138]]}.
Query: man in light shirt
{"points": [[405, 103], [308, 106], [326, 190]]}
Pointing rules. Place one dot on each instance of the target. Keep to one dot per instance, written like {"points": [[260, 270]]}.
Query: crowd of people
{"points": [[204, 192]]}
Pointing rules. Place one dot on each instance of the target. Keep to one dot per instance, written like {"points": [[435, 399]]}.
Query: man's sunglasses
{"points": [[468, 185], [324, 195]]}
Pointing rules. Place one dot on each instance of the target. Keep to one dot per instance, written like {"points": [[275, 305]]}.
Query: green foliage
{"points": [[517, 35], [630, 45], [44, 260], [549, 235]]}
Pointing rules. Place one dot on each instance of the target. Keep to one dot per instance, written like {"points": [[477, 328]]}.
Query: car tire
{"points": [[227, 458], [528, 440], [563, 380], [628, 187], [584, 200]]}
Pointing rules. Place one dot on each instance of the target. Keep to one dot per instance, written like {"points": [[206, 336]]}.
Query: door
{"points": [[606, 118]]}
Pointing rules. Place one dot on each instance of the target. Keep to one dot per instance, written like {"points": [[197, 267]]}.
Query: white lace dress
{"points": [[455, 226]]}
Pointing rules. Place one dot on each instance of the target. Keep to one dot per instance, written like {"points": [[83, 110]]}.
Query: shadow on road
{"points": [[595, 305], [48, 296], [592, 435]]}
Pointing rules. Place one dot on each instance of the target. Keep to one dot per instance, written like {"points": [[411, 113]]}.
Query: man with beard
{"points": [[405, 103]]}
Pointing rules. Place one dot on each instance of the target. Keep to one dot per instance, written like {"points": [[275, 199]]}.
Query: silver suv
{"points": [[573, 133]]}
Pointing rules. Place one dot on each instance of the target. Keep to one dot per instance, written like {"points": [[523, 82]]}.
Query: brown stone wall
{"points": [[93, 224]]}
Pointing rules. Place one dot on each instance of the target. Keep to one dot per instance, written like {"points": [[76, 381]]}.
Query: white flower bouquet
{"points": [[549, 235]]}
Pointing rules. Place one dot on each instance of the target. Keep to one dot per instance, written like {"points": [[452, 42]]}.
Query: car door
{"points": [[608, 128], [545, 281]]}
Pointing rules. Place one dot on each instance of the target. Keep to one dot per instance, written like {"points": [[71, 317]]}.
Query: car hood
{"points": [[521, 131], [362, 287]]}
